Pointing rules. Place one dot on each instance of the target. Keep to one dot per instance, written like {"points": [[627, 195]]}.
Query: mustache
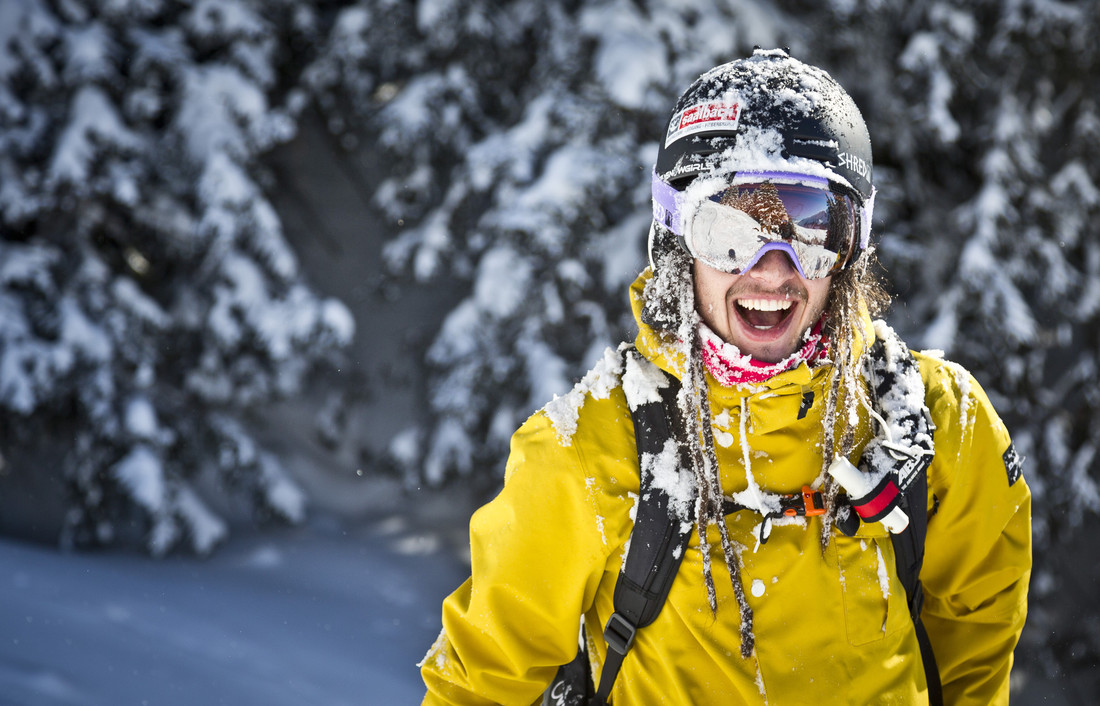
{"points": [[791, 289]]}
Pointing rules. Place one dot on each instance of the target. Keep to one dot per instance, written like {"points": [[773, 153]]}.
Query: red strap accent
{"points": [[878, 503]]}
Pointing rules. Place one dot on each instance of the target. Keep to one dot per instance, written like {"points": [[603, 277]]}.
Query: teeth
{"points": [[765, 304]]}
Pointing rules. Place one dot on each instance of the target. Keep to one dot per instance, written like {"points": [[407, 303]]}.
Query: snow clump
{"points": [[564, 410]]}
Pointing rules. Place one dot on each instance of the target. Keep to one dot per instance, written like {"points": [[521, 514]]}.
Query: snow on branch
{"points": [[149, 295]]}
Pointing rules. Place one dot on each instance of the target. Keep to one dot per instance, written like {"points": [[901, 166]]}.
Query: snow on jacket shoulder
{"points": [[830, 627]]}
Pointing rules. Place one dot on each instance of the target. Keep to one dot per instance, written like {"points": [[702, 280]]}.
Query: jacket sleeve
{"points": [[978, 548], [537, 556]]}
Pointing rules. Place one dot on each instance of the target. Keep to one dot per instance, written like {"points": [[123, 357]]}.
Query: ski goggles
{"points": [[808, 218]]}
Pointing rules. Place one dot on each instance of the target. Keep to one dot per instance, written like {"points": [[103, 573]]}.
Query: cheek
{"points": [[710, 295], [818, 291]]}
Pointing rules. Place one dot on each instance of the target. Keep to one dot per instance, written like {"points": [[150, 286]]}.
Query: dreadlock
{"points": [[855, 292], [670, 308]]}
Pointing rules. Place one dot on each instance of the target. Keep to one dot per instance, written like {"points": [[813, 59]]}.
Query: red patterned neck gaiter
{"points": [[731, 368]]}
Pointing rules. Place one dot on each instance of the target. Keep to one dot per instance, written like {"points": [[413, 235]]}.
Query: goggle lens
{"points": [[733, 229]]}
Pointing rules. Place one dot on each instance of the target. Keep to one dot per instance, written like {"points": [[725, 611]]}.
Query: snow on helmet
{"points": [[768, 113]]}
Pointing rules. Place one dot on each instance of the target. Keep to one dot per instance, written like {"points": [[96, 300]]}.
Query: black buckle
{"points": [[619, 633]]}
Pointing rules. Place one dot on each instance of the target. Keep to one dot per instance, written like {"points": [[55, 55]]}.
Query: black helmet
{"points": [[767, 113]]}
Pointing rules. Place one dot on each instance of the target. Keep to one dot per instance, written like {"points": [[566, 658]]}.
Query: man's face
{"points": [[764, 311]]}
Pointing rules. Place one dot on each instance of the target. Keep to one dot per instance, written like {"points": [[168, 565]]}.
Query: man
{"points": [[758, 301]]}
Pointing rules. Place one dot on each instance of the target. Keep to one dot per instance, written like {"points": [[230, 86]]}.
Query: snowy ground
{"points": [[323, 614], [327, 614]]}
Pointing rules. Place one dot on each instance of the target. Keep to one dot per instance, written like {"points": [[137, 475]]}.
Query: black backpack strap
{"points": [[909, 557], [659, 538]]}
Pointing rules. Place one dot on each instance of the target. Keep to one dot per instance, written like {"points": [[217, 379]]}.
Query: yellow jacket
{"points": [[831, 628]]}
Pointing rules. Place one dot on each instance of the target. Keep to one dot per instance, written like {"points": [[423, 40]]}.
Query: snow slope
{"points": [[322, 614]]}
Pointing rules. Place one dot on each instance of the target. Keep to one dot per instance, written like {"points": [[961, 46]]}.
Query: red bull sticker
{"points": [[704, 117]]}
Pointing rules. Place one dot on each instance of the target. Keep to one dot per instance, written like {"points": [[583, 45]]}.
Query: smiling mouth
{"points": [[764, 314]]}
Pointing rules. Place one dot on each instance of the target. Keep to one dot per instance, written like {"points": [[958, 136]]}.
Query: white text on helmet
{"points": [[856, 164]]}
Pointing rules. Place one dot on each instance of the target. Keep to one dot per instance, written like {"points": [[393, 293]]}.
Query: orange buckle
{"points": [[815, 504], [812, 504]]}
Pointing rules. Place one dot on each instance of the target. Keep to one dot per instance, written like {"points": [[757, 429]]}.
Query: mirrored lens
{"points": [[816, 226]]}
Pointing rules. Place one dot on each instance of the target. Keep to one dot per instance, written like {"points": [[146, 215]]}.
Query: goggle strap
{"points": [[666, 204], [866, 211]]}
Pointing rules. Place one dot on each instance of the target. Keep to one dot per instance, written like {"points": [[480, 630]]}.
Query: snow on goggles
{"points": [[763, 211]]}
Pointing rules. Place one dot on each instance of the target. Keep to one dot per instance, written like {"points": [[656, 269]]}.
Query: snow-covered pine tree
{"points": [[521, 135], [1022, 297], [148, 297]]}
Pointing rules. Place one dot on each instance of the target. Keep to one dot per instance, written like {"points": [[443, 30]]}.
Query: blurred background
{"points": [[277, 264]]}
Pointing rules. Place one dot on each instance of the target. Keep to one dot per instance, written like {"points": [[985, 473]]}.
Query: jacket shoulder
{"points": [[620, 382], [942, 378], [951, 391], [598, 394], [580, 449], [967, 426]]}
